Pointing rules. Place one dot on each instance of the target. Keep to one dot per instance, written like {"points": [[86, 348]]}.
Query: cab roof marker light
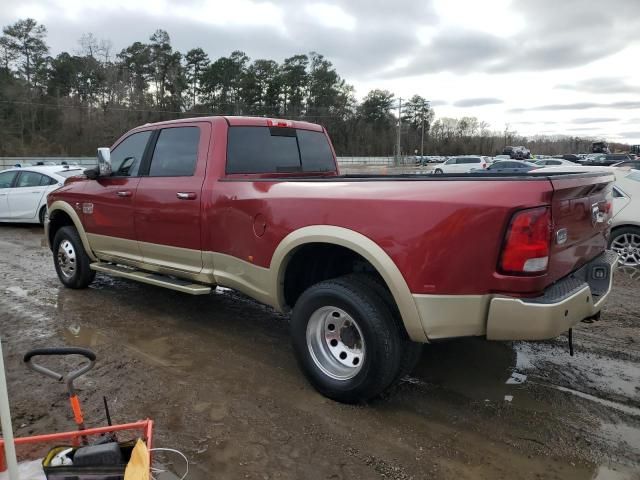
{"points": [[276, 122]]}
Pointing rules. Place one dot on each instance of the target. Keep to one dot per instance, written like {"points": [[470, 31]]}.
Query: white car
{"points": [[461, 164], [23, 191], [625, 227], [555, 162]]}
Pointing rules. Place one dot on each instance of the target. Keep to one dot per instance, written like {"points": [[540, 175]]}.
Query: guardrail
{"points": [[7, 162]]}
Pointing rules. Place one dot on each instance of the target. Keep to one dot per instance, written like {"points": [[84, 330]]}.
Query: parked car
{"points": [[520, 153], [600, 147], [629, 164], [508, 166], [606, 160], [462, 164], [625, 226], [23, 191], [367, 265], [550, 162], [570, 157]]}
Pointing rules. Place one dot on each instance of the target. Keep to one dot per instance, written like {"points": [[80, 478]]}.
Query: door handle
{"points": [[124, 193], [186, 195]]}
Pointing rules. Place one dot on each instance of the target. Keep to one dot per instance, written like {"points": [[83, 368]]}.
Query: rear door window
{"points": [[175, 153], [468, 160], [277, 150], [29, 179]]}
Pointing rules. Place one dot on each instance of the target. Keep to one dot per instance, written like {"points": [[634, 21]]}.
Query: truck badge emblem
{"points": [[561, 236]]}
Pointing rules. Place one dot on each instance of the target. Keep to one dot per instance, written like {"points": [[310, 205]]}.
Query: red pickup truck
{"points": [[370, 267]]}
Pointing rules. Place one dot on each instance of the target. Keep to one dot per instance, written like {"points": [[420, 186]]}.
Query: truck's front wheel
{"points": [[346, 340], [71, 260]]}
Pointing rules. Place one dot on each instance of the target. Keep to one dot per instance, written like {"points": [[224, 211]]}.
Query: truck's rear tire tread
{"points": [[411, 351]]}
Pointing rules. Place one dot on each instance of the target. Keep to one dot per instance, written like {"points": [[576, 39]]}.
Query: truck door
{"points": [[107, 203], [168, 201]]}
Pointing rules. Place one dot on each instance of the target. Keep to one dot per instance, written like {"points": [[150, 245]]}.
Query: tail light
{"points": [[527, 242]]}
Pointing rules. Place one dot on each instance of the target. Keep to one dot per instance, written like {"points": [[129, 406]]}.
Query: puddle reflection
{"points": [[476, 369]]}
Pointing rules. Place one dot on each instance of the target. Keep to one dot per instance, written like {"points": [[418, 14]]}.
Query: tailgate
{"points": [[581, 209]]}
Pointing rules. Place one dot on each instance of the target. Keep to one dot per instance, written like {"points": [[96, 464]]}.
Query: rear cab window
{"points": [[257, 149]]}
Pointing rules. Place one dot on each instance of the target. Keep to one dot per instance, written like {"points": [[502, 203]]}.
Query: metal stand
{"points": [[7, 428]]}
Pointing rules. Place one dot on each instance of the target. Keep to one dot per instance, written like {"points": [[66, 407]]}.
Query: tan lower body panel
{"points": [[513, 319], [447, 316]]}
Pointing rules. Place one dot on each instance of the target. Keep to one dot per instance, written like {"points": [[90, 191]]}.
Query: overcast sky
{"points": [[541, 66]]}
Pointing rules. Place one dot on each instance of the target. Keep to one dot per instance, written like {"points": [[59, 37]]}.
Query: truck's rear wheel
{"points": [[71, 260], [346, 340]]}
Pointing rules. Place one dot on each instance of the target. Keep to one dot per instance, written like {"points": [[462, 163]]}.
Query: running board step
{"points": [[156, 279]]}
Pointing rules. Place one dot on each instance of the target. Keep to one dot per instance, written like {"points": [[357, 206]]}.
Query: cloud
{"points": [[586, 120], [477, 102], [601, 85], [455, 51], [559, 35], [622, 105]]}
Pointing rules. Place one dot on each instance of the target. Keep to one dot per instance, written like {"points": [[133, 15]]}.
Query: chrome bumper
{"points": [[576, 297]]}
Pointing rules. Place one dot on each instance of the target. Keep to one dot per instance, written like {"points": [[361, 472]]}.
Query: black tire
{"points": [[381, 337], [78, 274], [411, 351], [437, 171], [625, 259], [41, 214]]}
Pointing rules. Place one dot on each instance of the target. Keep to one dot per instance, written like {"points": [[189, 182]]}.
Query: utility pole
{"points": [[422, 138], [399, 128]]}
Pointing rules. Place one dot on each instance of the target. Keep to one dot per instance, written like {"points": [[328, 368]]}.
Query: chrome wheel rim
{"points": [[67, 258], [336, 343], [627, 246]]}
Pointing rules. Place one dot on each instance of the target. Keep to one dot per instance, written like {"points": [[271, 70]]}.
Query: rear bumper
{"points": [[576, 297]]}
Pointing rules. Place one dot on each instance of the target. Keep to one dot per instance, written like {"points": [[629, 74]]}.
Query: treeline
{"points": [[72, 102]]}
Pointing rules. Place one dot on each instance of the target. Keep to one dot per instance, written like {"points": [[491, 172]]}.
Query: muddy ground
{"points": [[217, 375]]}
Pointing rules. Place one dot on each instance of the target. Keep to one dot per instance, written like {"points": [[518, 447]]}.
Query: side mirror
{"points": [[104, 162]]}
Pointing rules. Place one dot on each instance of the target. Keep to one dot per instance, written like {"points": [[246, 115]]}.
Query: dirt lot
{"points": [[217, 375]]}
